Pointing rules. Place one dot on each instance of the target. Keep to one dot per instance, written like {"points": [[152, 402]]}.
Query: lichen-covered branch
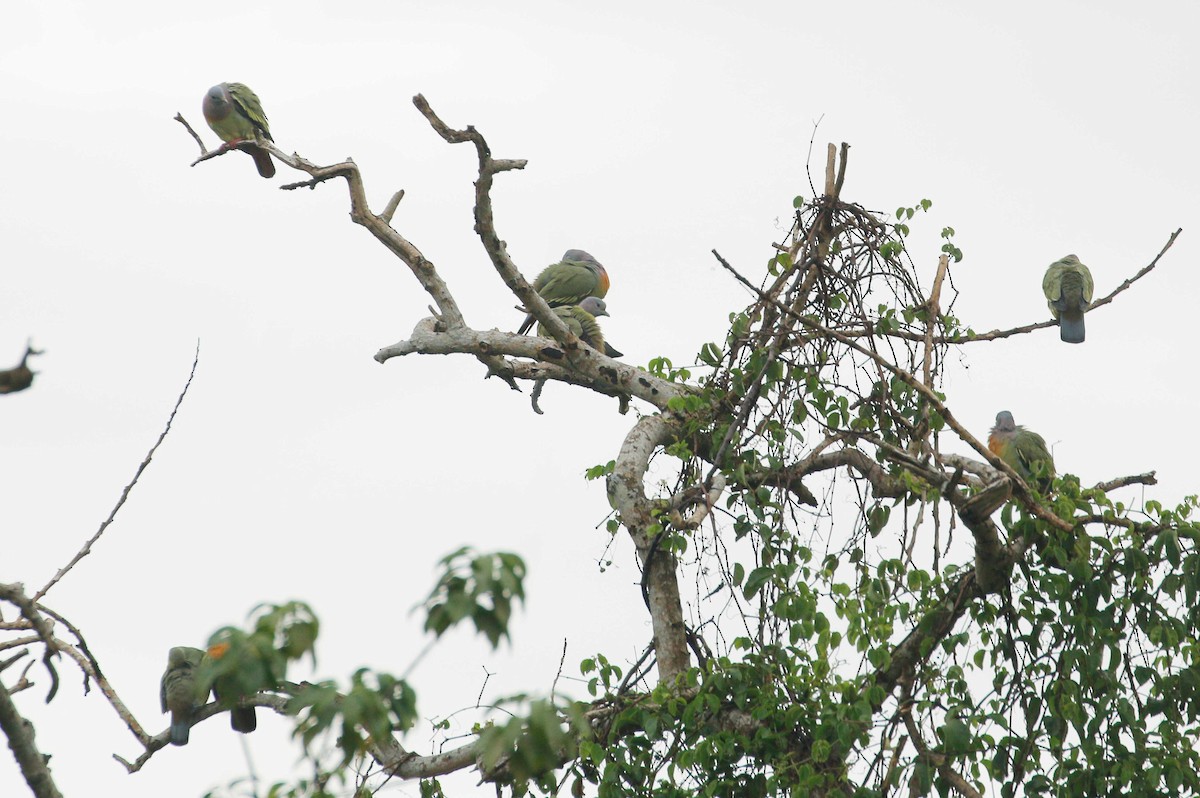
{"points": [[627, 493], [589, 368], [31, 761]]}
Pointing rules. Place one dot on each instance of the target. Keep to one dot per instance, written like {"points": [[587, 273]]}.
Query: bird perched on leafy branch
{"points": [[570, 281], [235, 114], [228, 687], [179, 691], [1024, 451], [1068, 289], [581, 320]]}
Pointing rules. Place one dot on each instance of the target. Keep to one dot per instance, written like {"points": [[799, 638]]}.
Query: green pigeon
{"points": [[581, 320], [1068, 289], [20, 376], [179, 692], [1024, 451], [577, 276], [241, 719], [235, 114]]}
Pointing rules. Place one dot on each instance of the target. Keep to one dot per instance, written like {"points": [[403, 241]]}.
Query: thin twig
{"points": [[87, 547], [179, 118], [561, 660], [1142, 273]]}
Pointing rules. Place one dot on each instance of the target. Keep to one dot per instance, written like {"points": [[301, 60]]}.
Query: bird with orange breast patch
{"points": [[1024, 450], [570, 281]]}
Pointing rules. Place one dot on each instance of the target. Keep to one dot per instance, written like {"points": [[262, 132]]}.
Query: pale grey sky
{"points": [[300, 468]]}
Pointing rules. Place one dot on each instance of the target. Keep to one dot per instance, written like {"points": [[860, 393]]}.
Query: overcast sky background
{"points": [[300, 468]]}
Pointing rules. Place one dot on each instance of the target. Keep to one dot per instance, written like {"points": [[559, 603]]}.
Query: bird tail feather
{"points": [[1070, 327], [180, 732], [243, 719]]}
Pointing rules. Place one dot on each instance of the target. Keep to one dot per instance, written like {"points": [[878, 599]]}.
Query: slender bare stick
{"points": [[87, 547], [179, 118]]}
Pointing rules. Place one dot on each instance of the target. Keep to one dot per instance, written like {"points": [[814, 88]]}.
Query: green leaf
{"points": [[758, 578], [956, 737]]}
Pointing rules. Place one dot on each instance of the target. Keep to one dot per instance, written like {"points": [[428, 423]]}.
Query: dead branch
{"points": [[1122, 482], [199, 143], [87, 547], [590, 368], [32, 762], [15, 595]]}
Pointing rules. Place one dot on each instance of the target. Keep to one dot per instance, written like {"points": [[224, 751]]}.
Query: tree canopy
{"points": [[884, 606]]}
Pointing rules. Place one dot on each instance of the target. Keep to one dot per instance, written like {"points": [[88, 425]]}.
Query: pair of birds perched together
{"points": [[183, 691], [1068, 288], [575, 286]]}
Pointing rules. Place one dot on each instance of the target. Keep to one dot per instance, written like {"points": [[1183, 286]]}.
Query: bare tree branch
{"points": [[1122, 482], [590, 368], [20, 734], [15, 594], [87, 547]]}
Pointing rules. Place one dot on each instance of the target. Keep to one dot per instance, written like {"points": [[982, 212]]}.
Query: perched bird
{"points": [[577, 276], [179, 691], [1023, 450], [225, 688], [19, 377], [1068, 289], [581, 320], [235, 114]]}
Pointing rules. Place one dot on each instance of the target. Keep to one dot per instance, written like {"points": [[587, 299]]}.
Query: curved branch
{"points": [[627, 494], [156, 743], [485, 225], [696, 496]]}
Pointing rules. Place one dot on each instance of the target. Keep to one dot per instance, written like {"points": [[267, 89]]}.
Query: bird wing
{"points": [[247, 104]]}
